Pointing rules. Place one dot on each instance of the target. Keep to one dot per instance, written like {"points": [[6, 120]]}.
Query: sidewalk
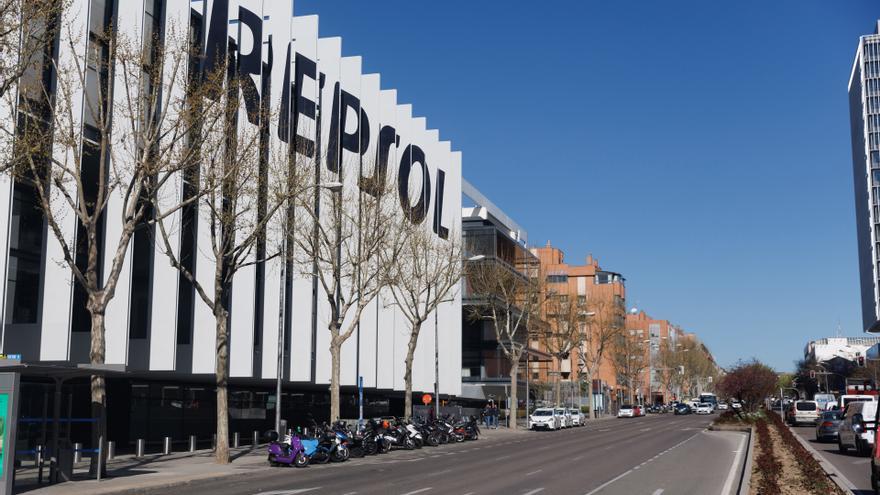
{"points": [[127, 474]]}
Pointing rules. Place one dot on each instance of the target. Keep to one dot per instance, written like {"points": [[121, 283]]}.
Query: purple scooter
{"points": [[286, 454]]}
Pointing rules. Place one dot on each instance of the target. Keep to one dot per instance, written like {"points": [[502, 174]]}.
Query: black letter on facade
{"points": [[416, 213], [303, 67], [250, 63], [439, 229], [215, 49], [375, 185]]}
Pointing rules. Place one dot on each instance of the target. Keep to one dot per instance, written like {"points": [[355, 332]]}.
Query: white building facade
{"points": [[156, 326]]}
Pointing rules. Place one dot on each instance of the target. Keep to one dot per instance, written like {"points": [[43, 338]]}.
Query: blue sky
{"points": [[700, 148]]}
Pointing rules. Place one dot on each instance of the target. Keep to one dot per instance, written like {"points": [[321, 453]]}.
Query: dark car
{"points": [[827, 425], [682, 409]]}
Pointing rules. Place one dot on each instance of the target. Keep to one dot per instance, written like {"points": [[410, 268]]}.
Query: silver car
{"points": [[827, 426]]}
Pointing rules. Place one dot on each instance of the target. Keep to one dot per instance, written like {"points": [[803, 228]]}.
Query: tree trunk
{"points": [[335, 348], [558, 385], [512, 417], [98, 389], [222, 374], [590, 399], [407, 374]]}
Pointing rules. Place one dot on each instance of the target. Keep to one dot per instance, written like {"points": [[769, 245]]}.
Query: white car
{"points": [[626, 411], [722, 406], [564, 417], [736, 405], [704, 408], [804, 412], [543, 418], [577, 417]]}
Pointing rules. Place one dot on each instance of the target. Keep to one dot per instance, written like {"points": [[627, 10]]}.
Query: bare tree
{"points": [[511, 298], [426, 273], [126, 145], [630, 360], [603, 327], [346, 248], [566, 318], [244, 185], [27, 29]]}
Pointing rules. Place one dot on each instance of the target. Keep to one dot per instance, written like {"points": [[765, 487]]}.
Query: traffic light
{"points": [[812, 374], [861, 361]]}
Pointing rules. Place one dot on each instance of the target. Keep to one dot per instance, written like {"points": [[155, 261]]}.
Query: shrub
{"points": [[768, 465], [813, 477]]}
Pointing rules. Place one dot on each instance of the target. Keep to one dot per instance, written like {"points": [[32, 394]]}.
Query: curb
{"points": [[745, 480], [833, 474], [164, 487]]}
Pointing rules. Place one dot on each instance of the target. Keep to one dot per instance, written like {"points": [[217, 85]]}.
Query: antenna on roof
{"points": [[838, 327]]}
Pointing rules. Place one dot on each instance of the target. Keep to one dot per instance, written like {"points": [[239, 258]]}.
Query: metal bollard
{"points": [[38, 463], [139, 449], [111, 450], [166, 448], [235, 440], [77, 452], [256, 439], [192, 443]]}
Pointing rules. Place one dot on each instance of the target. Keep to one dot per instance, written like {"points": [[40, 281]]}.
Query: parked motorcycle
{"points": [[289, 453]]}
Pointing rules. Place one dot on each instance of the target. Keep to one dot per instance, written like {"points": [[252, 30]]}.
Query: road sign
{"points": [[426, 399]]}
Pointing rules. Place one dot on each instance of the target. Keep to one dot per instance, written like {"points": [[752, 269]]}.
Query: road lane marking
{"points": [[862, 461], [503, 457], [659, 491], [533, 492], [420, 490], [578, 458], [612, 480], [728, 484], [534, 472], [290, 492], [603, 485]]}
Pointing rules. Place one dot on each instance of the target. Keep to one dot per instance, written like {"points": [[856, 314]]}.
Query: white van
{"points": [[857, 428], [846, 399]]}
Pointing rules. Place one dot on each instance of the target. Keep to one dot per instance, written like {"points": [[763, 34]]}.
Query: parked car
{"points": [[682, 408], [626, 411], [564, 417], [577, 417], [804, 412], [857, 427], [736, 405], [704, 408], [722, 406], [827, 426], [543, 418]]}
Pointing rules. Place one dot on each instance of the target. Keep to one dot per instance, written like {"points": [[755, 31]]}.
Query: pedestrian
{"points": [[493, 411]]}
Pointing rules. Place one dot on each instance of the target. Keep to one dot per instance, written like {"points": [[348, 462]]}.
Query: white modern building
{"points": [[156, 327], [848, 348], [864, 107]]}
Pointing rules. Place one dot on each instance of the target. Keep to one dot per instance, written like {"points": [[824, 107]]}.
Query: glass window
{"points": [[25, 256]]}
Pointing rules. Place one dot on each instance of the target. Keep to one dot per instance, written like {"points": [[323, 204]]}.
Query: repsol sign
{"points": [[350, 125]]}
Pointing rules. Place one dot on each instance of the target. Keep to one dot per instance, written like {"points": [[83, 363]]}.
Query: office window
{"points": [[25, 249], [557, 279]]}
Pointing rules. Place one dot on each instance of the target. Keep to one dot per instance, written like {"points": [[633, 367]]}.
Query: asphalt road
{"points": [[855, 468], [653, 455]]}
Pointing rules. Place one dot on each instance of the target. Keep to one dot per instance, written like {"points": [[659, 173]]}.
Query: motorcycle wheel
{"points": [[301, 460], [384, 447], [433, 440], [419, 443], [459, 438], [371, 448], [341, 454], [271, 460], [319, 458], [408, 443]]}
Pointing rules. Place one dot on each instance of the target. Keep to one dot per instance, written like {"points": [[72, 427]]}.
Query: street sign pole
{"points": [[360, 401]]}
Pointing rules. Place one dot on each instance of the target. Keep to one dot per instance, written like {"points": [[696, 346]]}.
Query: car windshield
{"points": [[626, 407], [560, 411], [703, 404], [805, 406], [835, 415], [542, 412]]}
